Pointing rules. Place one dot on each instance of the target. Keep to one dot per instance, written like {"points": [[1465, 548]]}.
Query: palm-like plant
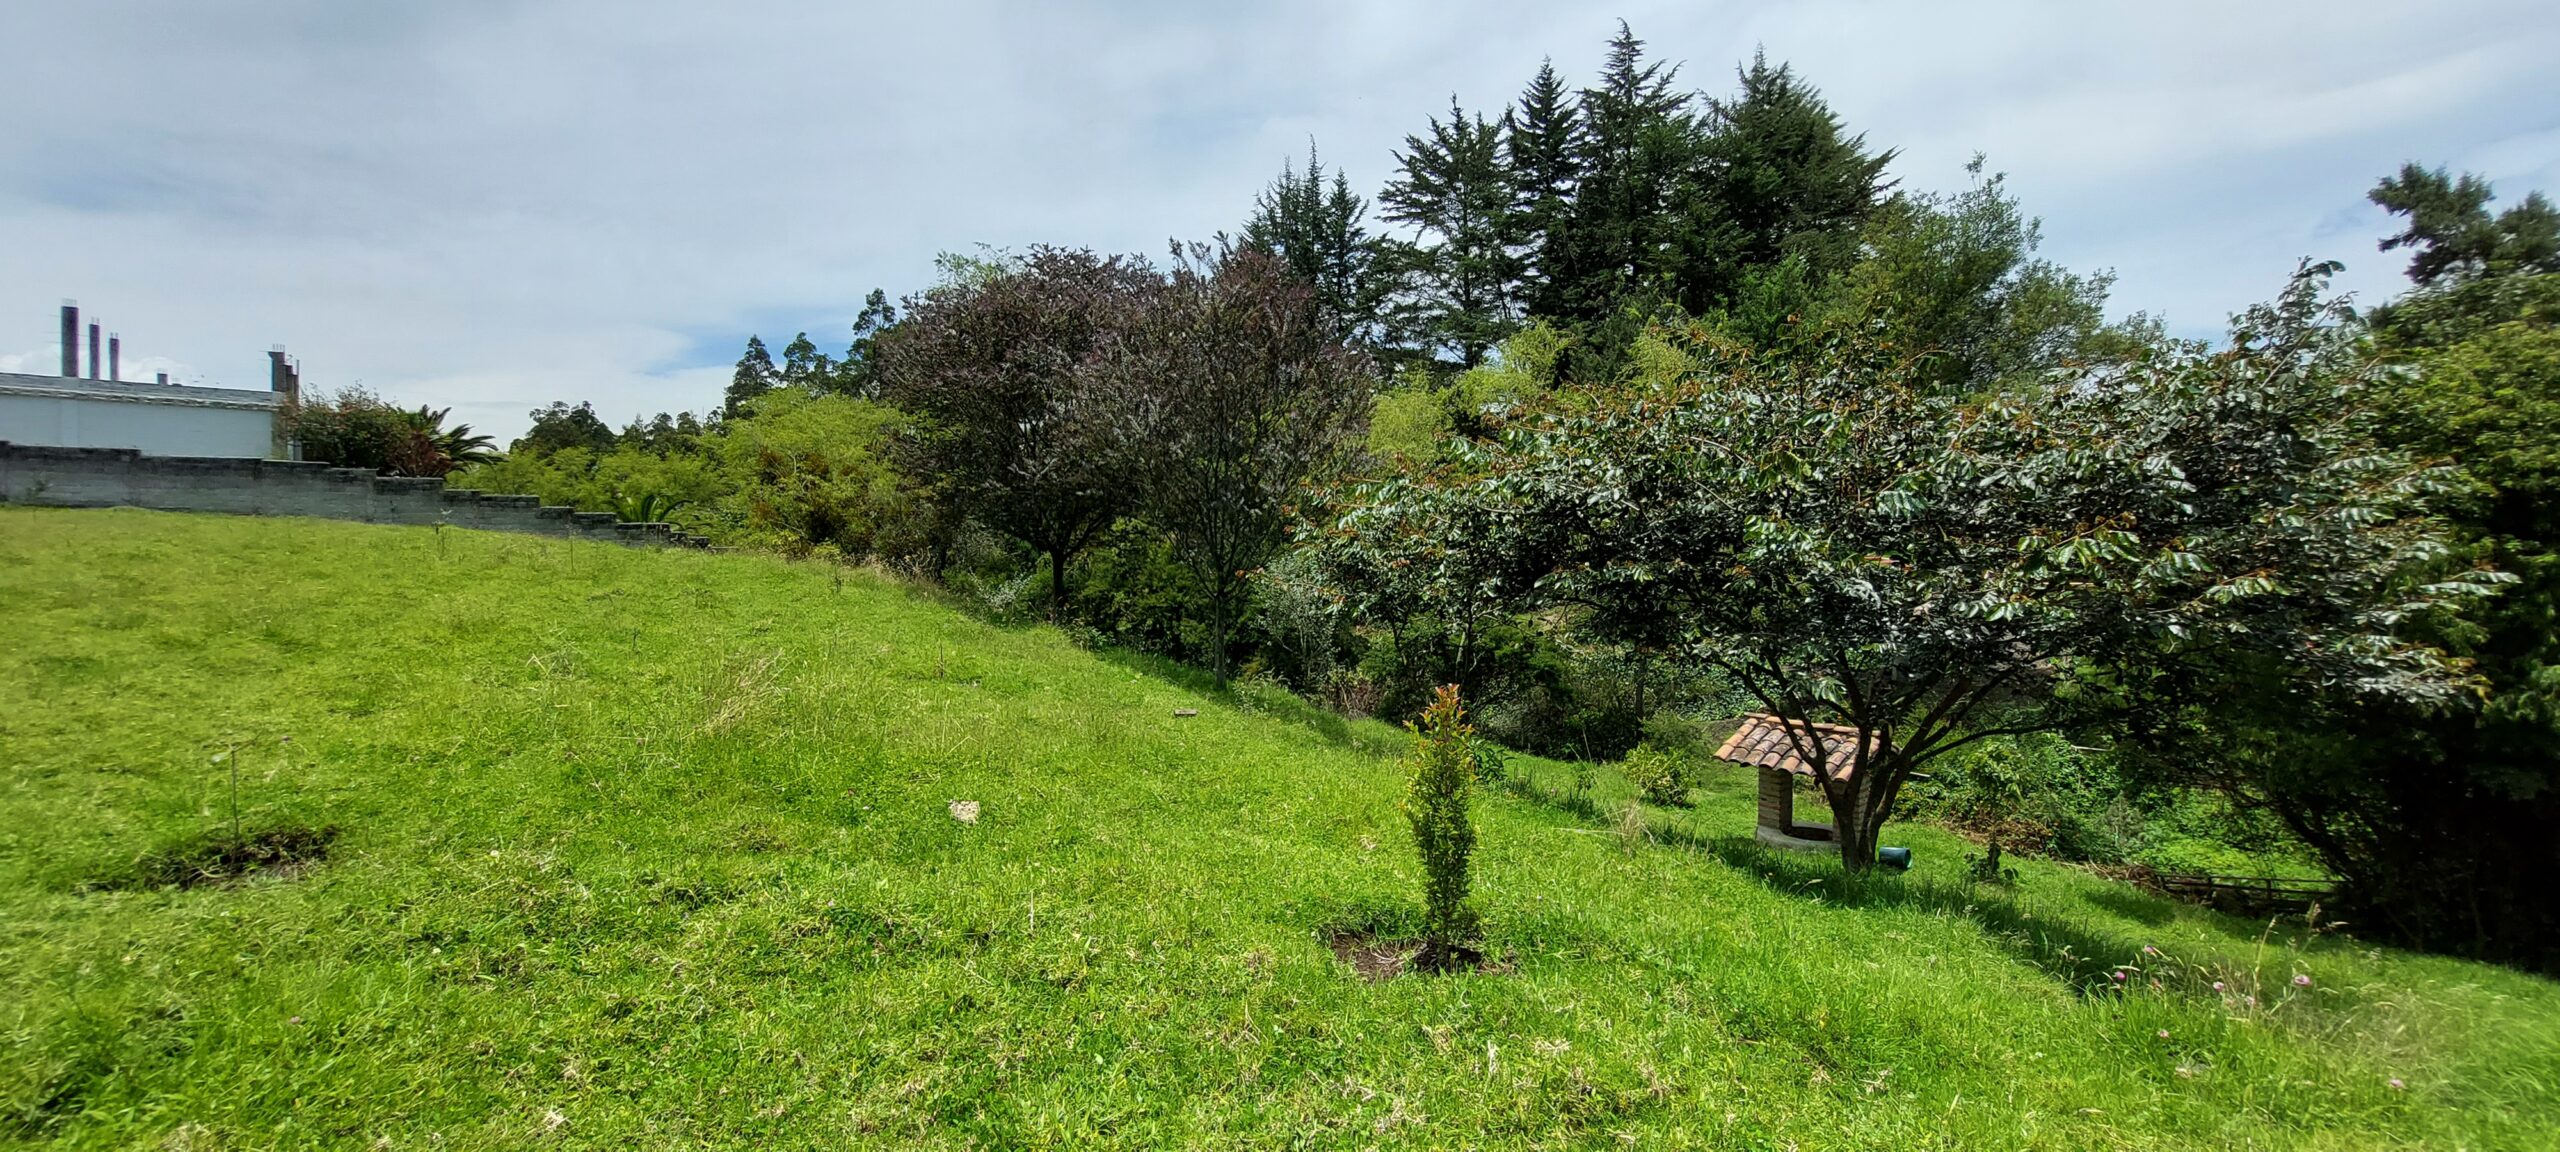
{"points": [[458, 445], [646, 507]]}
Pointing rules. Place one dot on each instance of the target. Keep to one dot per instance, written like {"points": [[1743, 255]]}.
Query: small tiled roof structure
{"points": [[1762, 742]]}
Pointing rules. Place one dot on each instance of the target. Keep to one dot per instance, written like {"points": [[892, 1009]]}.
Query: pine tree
{"points": [[1316, 228], [2452, 233], [1453, 190], [1781, 178], [755, 377], [1640, 144], [1542, 143]]}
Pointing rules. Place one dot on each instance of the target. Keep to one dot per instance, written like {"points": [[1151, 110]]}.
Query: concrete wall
{"points": [[109, 477], [161, 419]]}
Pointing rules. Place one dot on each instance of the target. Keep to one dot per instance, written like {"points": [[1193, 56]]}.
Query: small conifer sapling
{"points": [[1442, 789]]}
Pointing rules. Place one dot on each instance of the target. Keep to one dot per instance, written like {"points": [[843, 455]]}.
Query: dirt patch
{"points": [[1377, 958], [279, 853]]}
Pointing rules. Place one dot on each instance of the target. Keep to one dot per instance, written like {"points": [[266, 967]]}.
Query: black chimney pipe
{"points": [[164, 380], [115, 356], [93, 351], [71, 338]]}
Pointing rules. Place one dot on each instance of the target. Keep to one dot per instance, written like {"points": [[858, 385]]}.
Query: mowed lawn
{"points": [[654, 850]]}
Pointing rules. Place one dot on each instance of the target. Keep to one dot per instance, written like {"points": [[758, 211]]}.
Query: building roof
{"points": [[134, 392], [1762, 742]]}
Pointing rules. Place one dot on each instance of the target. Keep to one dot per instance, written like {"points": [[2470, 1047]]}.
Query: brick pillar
{"points": [[1777, 800]]}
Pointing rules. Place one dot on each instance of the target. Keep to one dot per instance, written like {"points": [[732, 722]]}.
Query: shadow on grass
{"points": [[1259, 698], [2087, 959]]}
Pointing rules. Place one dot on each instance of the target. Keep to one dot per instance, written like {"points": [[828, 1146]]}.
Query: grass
{"points": [[653, 850]]}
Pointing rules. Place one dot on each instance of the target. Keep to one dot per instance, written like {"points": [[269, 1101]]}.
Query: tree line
{"points": [[1645, 406]]}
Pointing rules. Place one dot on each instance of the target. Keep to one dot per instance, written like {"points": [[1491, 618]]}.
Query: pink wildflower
{"points": [[2148, 950], [2301, 981], [2164, 1033], [2396, 1085], [2217, 986], [2118, 974]]}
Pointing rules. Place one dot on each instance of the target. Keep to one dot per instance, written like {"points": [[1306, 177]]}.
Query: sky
{"points": [[489, 205]]}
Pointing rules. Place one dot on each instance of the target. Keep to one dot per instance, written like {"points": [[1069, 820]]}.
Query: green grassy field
{"points": [[652, 850]]}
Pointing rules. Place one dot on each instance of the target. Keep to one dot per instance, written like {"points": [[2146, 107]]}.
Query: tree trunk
{"points": [[1856, 819], [1057, 581]]}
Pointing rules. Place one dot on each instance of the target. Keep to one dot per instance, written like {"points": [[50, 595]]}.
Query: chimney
{"points": [[115, 356], [164, 380], [93, 351], [71, 338]]}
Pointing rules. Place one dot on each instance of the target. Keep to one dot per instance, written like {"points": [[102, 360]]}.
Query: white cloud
{"points": [[493, 205]]}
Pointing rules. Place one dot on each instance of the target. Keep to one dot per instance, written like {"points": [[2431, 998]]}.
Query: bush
{"points": [[1444, 778], [1663, 777]]}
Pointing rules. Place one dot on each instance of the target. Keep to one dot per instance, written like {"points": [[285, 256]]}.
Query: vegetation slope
{"points": [[655, 849]]}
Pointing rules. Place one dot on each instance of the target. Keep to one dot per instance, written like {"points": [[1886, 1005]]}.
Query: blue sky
{"points": [[489, 204]]}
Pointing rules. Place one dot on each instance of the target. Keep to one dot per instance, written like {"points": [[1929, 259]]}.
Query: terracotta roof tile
{"points": [[1762, 742]]}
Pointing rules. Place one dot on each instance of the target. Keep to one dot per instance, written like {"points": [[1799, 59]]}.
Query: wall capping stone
{"points": [[124, 478]]}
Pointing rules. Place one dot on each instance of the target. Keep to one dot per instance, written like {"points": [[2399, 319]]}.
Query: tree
{"points": [[2451, 232], [1316, 231], [858, 374], [1780, 178], [455, 447], [992, 368], [806, 368], [1452, 189], [1957, 275], [1640, 147], [1843, 539], [2438, 821], [1231, 392], [1542, 143], [755, 377], [561, 426]]}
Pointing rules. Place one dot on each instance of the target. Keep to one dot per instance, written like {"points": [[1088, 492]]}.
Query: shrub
{"points": [[1662, 776], [1444, 778]]}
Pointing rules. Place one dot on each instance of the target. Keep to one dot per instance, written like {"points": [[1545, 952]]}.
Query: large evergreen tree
{"points": [[1781, 178], [755, 377], [1542, 145], [1452, 189], [1317, 228], [1640, 145], [2452, 233]]}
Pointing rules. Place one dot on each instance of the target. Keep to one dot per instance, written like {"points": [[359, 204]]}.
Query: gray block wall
{"points": [[120, 477]]}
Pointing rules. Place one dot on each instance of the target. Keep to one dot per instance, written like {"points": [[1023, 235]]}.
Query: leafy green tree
{"points": [[560, 426], [1844, 539], [2451, 233], [354, 428], [805, 368], [858, 374], [1231, 393], [1451, 187], [992, 367], [2440, 820], [1318, 230], [755, 377], [1958, 275]]}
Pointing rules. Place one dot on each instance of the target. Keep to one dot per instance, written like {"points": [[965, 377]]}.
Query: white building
{"points": [[159, 419]]}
